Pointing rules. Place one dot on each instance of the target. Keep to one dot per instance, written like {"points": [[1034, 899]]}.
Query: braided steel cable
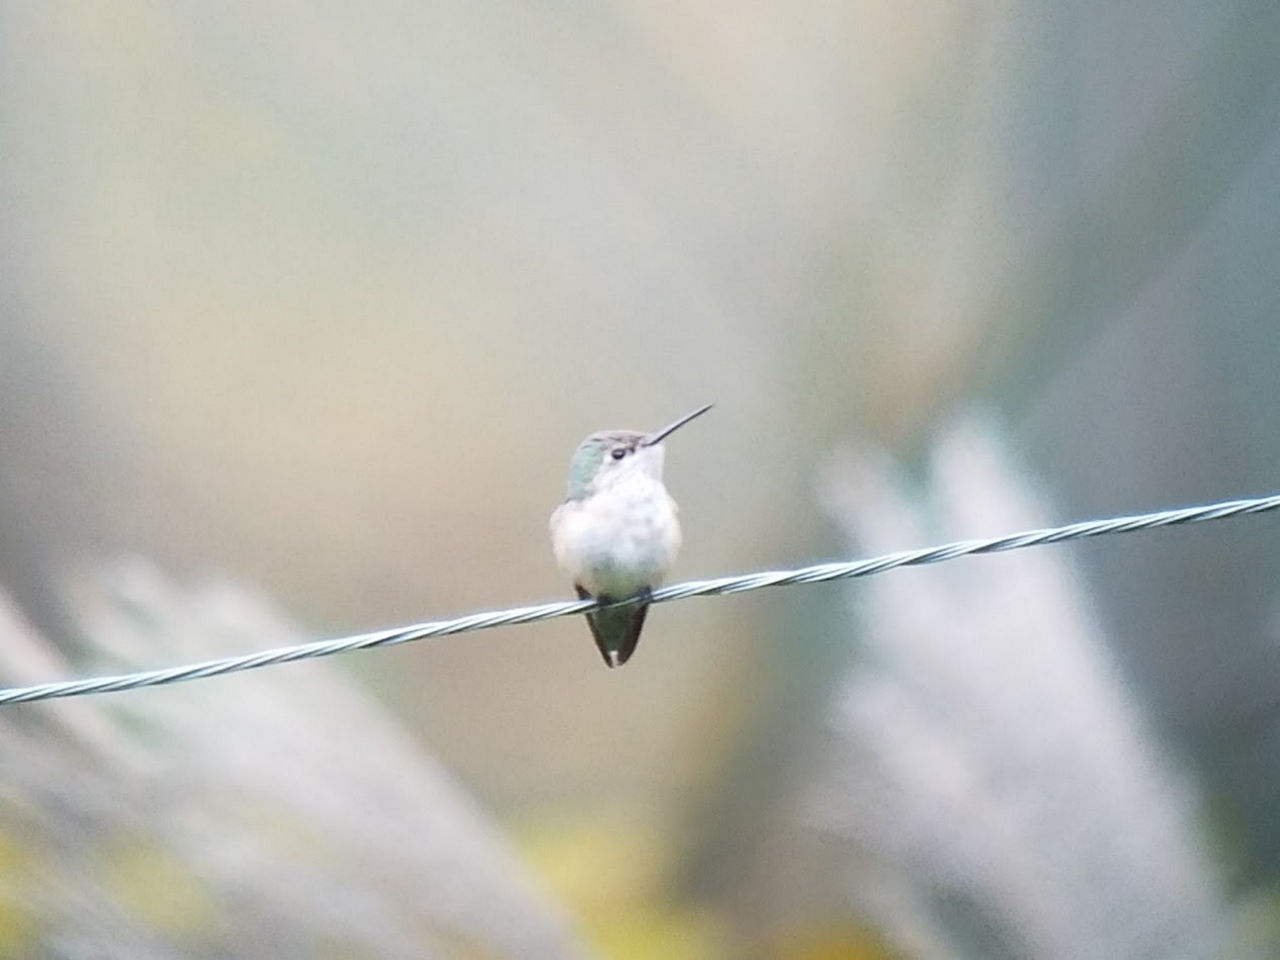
{"points": [[819, 573]]}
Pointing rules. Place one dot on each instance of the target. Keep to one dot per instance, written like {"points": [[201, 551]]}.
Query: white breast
{"points": [[619, 542]]}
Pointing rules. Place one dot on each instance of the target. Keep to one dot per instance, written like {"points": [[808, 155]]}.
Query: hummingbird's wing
{"points": [[616, 631]]}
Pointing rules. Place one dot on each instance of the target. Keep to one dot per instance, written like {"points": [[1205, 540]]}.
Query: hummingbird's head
{"points": [[610, 456], [605, 458]]}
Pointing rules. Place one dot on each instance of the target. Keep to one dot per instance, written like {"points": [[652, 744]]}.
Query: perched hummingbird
{"points": [[616, 532]]}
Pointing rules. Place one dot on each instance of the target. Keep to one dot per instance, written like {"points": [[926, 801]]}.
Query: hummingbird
{"points": [[616, 533]]}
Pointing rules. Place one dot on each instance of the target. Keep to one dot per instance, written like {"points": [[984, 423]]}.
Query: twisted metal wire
{"points": [[819, 573]]}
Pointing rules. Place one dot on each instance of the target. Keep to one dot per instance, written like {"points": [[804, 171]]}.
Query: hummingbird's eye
{"points": [[618, 453]]}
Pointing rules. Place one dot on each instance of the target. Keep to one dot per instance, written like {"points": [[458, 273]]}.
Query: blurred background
{"points": [[303, 309]]}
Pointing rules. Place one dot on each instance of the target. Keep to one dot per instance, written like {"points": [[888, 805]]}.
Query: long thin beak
{"points": [[660, 435]]}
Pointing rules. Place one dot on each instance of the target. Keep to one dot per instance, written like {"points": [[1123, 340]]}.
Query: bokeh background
{"points": [[304, 307]]}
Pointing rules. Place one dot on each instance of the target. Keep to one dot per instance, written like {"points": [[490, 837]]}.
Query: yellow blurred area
{"points": [[613, 873], [604, 866], [154, 887], [19, 917], [616, 874], [831, 940]]}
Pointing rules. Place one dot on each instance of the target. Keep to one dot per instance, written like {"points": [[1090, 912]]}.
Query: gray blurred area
{"points": [[313, 303], [283, 821]]}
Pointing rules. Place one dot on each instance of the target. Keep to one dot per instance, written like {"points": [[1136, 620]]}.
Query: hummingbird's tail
{"points": [[616, 631]]}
